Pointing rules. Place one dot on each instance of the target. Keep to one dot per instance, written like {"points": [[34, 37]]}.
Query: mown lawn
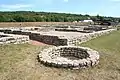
{"points": [[19, 62]]}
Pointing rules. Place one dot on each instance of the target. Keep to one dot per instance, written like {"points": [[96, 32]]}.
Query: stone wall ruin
{"points": [[58, 40], [48, 39], [14, 39], [66, 55], [69, 57]]}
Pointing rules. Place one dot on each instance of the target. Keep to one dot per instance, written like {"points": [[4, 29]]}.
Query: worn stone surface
{"points": [[69, 57], [55, 37], [15, 39]]}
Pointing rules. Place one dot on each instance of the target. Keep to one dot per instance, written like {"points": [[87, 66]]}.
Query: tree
{"points": [[30, 16], [3, 18], [20, 18]]}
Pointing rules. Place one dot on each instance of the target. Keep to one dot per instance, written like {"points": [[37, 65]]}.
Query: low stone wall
{"points": [[57, 40], [69, 57], [87, 37], [14, 39], [66, 29], [73, 52], [52, 40], [48, 39]]}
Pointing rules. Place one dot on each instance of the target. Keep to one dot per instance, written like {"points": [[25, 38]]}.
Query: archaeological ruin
{"points": [[69, 57], [50, 36], [65, 52], [14, 39]]}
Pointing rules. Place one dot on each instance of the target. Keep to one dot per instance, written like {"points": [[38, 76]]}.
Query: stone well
{"points": [[69, 57]]}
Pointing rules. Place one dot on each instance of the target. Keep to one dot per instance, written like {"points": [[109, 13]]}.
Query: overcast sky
{"points": [[91, 7]]}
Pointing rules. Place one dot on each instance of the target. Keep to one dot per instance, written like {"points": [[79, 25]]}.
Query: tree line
{"points": [[30, 16]]}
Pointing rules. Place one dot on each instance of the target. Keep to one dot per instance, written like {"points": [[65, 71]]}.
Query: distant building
{"points": [[87, 20]]}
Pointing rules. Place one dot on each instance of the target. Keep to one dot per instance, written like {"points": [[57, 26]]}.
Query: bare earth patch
{"points": [[37, 43], [26, 24]]}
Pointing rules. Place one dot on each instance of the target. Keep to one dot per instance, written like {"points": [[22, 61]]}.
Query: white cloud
{"points": [[15, 6], [116, 0], [66, 0]]}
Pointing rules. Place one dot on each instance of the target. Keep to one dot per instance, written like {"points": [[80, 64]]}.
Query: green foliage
{"points": [[27, 16]]}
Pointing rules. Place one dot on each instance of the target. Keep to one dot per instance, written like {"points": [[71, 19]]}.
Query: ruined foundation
{"points": [[57, 38], [67, 54], [69, 57], [13, 39]]}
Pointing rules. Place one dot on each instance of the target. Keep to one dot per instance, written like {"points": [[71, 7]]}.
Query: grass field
{"points": [[18, 62]]}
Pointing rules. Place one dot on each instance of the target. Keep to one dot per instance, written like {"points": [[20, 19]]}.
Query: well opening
{"points": [[73, 53], [69, 57]]}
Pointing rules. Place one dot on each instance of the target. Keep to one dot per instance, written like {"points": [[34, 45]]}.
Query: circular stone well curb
{"points": [[82, 57]]}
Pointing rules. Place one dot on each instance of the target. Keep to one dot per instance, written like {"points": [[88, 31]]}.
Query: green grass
{"points": [[18, 62], [11, 54], [109, 43], [109, 49]]}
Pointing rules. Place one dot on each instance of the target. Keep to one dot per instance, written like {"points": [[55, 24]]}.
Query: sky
{"points": [[91, 7]]}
